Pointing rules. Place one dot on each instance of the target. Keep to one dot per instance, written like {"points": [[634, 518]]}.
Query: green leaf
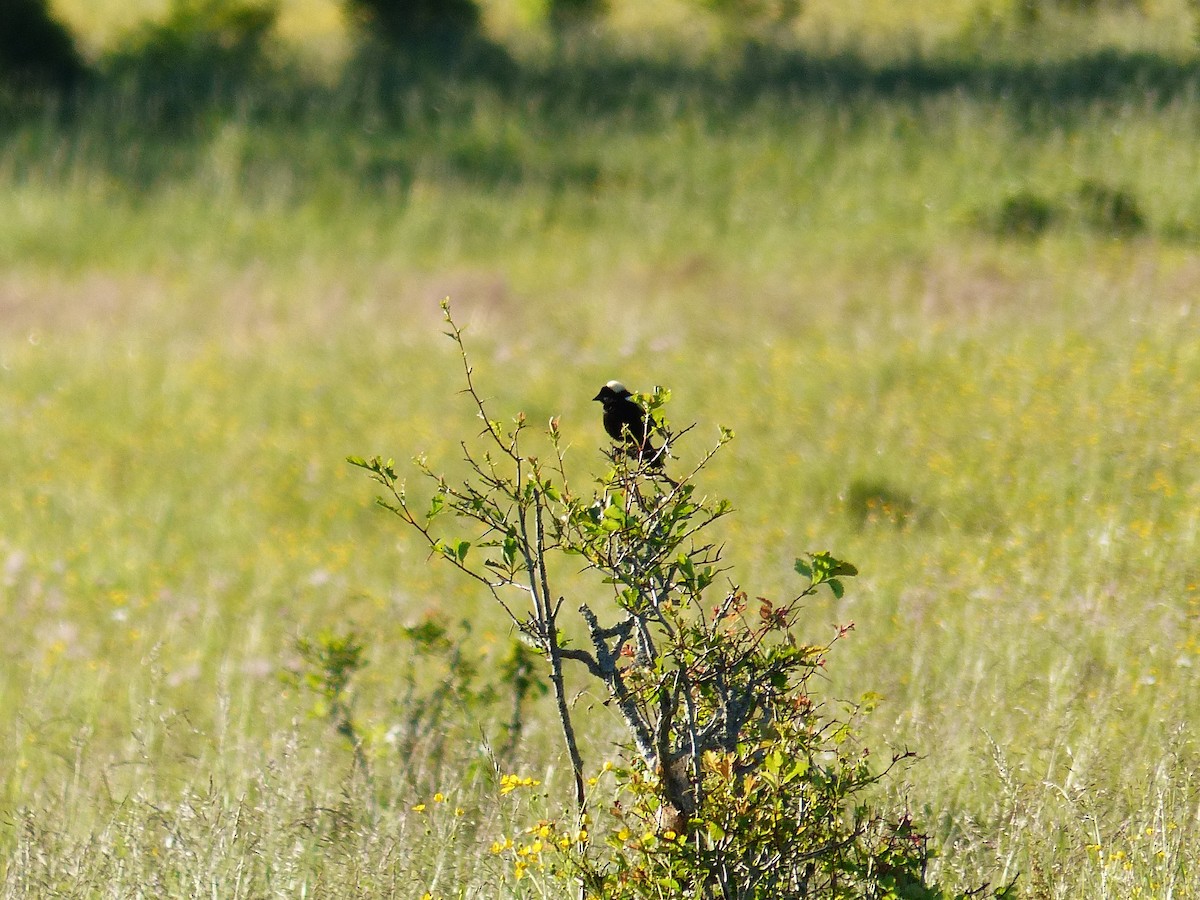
{"points": [[773, 762], [823, 567], [614, 518], [797, 770], [870, 700], [836, 587], [687, 568]]}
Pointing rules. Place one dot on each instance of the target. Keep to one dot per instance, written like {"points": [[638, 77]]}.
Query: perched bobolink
{"points": [[627, 423]]}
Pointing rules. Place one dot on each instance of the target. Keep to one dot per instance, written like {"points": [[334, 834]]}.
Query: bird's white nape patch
{"points": [[616, 386]]}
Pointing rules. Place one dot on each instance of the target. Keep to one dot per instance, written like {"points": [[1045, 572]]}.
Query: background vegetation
{"points": [[936, 268]]}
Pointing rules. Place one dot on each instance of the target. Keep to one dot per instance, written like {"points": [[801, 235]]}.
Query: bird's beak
{"points": [[597, 397]]}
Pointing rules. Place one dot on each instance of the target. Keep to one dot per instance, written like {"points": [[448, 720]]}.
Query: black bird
{"points": [[627, 423]]}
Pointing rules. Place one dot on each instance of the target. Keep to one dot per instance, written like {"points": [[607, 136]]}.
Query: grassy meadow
{"points": [[892, 260]]}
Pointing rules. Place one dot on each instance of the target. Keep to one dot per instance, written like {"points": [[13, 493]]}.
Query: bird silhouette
{"points": [[628, 424]]}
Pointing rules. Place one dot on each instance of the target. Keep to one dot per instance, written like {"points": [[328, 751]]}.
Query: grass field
{"points": [[206, 308]]}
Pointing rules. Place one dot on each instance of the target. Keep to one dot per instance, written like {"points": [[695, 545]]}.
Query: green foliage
{"points": [[757, 12], [332, 660], [743, 785], [870, 502], [446, 694], [567, 14], [776, 824], [1111, 210], [1025, 215], [200, 46], [35, 48], [1095, 206], [433, 24], [1032, 12]]}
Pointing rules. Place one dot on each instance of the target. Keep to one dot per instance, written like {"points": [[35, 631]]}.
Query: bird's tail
{"points": [[654, 459]]}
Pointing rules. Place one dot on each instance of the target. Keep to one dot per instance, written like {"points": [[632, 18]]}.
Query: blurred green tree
{"points": [[35, 48], [204, 35], [417, 23], [201, 50], [755, 18], [1032, 11], [568, 14]]}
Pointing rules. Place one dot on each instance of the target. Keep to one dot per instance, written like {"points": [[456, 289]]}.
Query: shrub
{"points": [[736, 781], [1094, 206], [871, 502], [200, 46], [1110, 210], [1024, 215], [35, 48], [435, 24]]}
